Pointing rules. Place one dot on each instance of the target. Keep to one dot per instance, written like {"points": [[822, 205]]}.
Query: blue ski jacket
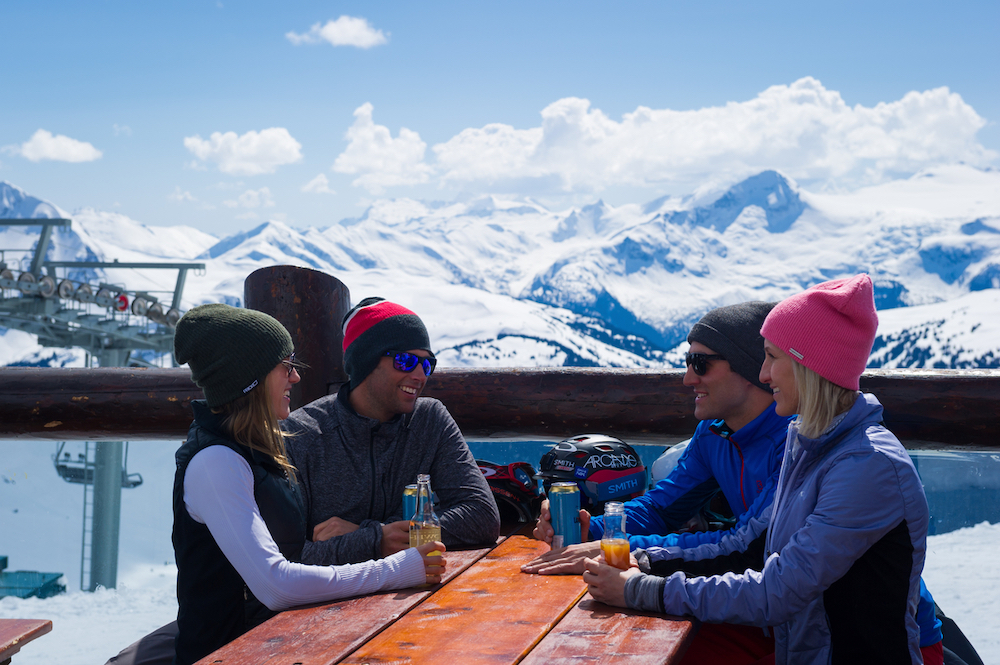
{"points": [[744, 464]]}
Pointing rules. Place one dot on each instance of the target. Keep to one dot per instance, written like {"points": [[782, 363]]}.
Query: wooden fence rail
{"points": [[947, 409]]}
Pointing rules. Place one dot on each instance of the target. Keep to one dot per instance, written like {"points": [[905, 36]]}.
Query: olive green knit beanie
{"points": [[230, 350]]}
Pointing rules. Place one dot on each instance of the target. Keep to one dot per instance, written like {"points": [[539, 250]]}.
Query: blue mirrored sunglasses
{"points": [[407, 362]]}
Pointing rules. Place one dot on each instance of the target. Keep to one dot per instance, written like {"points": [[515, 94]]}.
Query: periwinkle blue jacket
{"points": [[844, 552], [744, 465]]}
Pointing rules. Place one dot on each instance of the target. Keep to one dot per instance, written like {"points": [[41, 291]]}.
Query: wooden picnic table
{"points": [[484, 611], [15, 633]]}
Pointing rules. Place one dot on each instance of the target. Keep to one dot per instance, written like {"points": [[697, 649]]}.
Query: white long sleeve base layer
{"points": [[218, 492]]}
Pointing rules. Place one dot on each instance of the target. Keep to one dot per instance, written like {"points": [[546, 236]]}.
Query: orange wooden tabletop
{"points": [[492, 613], [323, 634], [594, 633], [15, 633]]}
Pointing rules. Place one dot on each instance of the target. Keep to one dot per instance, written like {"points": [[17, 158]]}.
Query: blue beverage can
{"points": [[564, 507], [409, 501]]}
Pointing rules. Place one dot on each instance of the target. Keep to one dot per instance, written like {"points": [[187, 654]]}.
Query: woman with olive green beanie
{"points": [[239, 520]]}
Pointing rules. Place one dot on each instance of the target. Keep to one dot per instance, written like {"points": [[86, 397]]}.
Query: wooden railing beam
{"points": [[951, 409]]}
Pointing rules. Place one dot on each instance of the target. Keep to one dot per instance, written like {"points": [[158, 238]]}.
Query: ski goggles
{"points": [[699, 361], [520, 472], [407, 362]]}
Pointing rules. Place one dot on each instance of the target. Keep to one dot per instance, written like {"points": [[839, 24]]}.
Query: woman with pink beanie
{"points": [[846, 538]]}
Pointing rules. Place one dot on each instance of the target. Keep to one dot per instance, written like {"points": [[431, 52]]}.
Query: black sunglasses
{"points": [[699, 361], [407, 362], [290, 364]]}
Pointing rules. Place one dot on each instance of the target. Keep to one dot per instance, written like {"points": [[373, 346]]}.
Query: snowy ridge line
{"points": [[509, 283]]}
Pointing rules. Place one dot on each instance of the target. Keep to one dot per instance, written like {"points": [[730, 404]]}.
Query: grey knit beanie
{"points": [[230, 350], [734, 333]]}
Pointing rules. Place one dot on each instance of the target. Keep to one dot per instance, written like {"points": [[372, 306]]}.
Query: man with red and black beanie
{"points": [[357, 450]]}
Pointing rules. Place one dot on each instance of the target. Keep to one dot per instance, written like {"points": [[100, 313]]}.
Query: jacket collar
{"points": [[208, 420], [213, 424], [767, 420], [866, 410], [344, 402]]}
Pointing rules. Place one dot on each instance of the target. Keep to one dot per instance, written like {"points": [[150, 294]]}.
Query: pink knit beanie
{"points": [[829, 328]]}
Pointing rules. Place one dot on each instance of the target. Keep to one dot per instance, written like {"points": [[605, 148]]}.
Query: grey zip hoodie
{"points": [[355, 468]]}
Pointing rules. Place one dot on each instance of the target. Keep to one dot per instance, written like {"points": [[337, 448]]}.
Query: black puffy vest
{"points": [[215, 605]]}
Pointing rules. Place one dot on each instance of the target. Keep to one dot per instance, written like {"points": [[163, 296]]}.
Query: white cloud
{"points": [[251, 154], [180, 196], [318, 185], [252, 198], [122, 129], [44, 145], [379, 160], [345, 31], [802, 129], [228, 185]]}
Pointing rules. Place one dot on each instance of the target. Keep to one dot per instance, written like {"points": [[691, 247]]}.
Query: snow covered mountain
{"points": [[510, 283]]}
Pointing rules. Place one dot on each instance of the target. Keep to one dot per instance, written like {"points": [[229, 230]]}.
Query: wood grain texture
{"points": [[324, 634], [102, 404], [311, 305], [15, 633], [492, 613], [594, 633], [945, 409]]}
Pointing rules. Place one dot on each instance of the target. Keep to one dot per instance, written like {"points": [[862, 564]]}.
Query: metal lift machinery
{"points": [[110, 322]]}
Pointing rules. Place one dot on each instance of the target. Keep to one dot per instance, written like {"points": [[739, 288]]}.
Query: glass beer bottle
{"points": [[424, 524], [614, 542]]}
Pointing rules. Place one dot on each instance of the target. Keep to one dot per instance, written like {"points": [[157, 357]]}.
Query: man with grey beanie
{"points": [[357, 450], [736, 449]]}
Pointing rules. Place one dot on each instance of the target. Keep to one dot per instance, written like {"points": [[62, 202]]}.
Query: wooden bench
{"points": [[15, 633]]}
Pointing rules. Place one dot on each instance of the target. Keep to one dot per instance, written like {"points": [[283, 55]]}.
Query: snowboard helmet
{"points": [[514, 489], [604, 468]]}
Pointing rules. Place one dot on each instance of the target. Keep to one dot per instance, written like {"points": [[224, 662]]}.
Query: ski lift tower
{"points": [[109, 321]]}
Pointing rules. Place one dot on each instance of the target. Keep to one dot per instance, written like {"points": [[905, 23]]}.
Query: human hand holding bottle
{"points": [[544, 531], [434, 561]]}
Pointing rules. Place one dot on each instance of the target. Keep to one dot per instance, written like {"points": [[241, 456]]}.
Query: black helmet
{"points": [[605, 468], [514, 488]]}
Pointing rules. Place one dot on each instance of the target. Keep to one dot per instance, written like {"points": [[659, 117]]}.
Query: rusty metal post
{"points": [[311, 304]]}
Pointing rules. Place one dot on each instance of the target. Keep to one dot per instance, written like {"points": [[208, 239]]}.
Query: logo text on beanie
{"points": [[250, 387]]}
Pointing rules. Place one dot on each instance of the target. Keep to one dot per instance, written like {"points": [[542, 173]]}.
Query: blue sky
{"points": [[224, 114]]}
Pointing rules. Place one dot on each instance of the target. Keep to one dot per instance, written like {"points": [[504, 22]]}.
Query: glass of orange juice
{"points": [[614, 542]]}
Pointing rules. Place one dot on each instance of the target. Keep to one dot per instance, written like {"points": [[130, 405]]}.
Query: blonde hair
{"points": [[250, 420], [820, 401]]}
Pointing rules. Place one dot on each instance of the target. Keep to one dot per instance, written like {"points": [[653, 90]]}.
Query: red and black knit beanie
{"points": [[374, 327]]}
